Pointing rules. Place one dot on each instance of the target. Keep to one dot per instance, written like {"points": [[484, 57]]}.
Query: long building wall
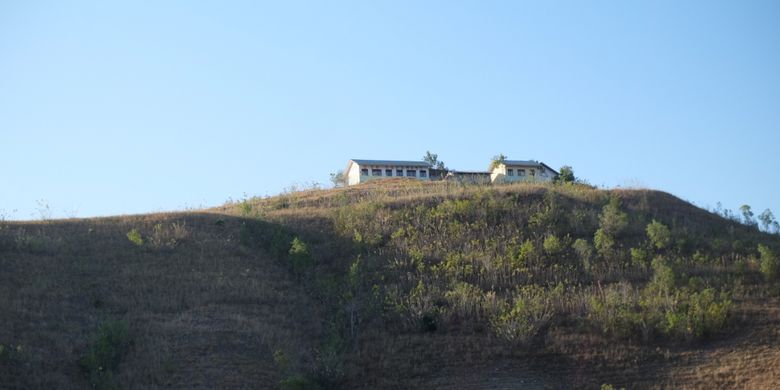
{"points": [[363, 173]]}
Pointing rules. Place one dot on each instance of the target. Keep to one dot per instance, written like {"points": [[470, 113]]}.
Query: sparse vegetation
{"points": [[346, 287], [104, 354], [565, 175], [135, 237], [338, 179], [769, 264], [433, 160]]}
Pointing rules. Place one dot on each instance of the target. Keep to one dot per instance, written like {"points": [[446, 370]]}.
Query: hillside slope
{"points": [[394, 285]]}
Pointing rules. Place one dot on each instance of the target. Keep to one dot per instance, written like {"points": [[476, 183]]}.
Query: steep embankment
{"points": [[396, 284], [201, 310]]}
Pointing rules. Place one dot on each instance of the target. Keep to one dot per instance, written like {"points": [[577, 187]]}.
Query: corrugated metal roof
{"points": [[391, 162]]}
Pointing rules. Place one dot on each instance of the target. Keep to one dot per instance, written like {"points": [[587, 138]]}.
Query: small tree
{"points": [[338, 178], [766, 218], [565, 175], [747, 214], [613, 220], [658, 234], [433, 160], [769, 266], [497, 160], [584, 250]]}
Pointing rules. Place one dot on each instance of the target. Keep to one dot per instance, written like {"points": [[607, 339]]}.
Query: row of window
{"points": [[398, 172], [520, 172]]}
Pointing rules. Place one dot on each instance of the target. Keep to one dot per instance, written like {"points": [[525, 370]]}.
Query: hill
{"points": [[395, 284]]}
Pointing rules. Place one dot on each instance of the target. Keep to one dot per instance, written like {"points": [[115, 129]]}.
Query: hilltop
{"points": [[395, 284]]}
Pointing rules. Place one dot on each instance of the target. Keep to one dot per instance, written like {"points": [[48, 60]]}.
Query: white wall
{"points": [[355, 176], [499, 174]]}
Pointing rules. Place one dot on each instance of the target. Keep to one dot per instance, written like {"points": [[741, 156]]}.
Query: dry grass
{"points": [[205, 311]]}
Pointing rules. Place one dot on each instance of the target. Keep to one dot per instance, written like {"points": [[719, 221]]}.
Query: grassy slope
{"points": [[207, 313], [211, 311]]}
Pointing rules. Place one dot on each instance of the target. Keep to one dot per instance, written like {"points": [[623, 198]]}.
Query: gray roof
{"points": [[522, 162], [483, 173], [391, 162], [529, 163]]}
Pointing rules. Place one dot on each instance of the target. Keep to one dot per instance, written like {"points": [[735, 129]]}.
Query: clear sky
{"points": [[129, 107]]}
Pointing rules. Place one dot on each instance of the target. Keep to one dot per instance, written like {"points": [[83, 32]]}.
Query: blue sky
{"points": [[134, 107]]}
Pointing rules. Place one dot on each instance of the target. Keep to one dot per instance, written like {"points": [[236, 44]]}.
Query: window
{"points": [[376, 172], [533, 172], [521, 172], [411, 173], [388, 172], [399, 172], [423, 173], [364, 172], [510, 172]]}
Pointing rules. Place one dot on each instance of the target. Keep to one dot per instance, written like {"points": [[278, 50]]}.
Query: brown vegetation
{"points": [[394, 284]]}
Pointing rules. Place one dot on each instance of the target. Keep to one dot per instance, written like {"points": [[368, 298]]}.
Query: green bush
{"points": [[529, 314], [603, 242], [584, 250], [245, 207], [769, 266], [525, 256], [105, 353], [299, 382], [697, 315], [300, 258], [10, 355], [613, 221], [552, 245], [465, 300], [135, 237], [615, 310], [663, 276], [165, 236], [640, 257], [658, 234]]}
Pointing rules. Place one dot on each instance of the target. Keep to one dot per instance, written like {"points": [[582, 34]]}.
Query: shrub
{"points": [[614, 311], [769, 266], [740, 266], [300, 258], [298, 382], [697, 314], [282, 360], [417, 306], [105, 353], [135, 237], [10, 355], [604, 242], [38, 242], [613, 221], [245, 207], [640, 257], [663, 276], [465, 300], [530, 313], [168, 237], [658, 234], [552, 245], [565, 175], [585, 252]]}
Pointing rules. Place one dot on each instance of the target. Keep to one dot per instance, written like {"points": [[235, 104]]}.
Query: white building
{"points": [[361, 171], [513, 170]]}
